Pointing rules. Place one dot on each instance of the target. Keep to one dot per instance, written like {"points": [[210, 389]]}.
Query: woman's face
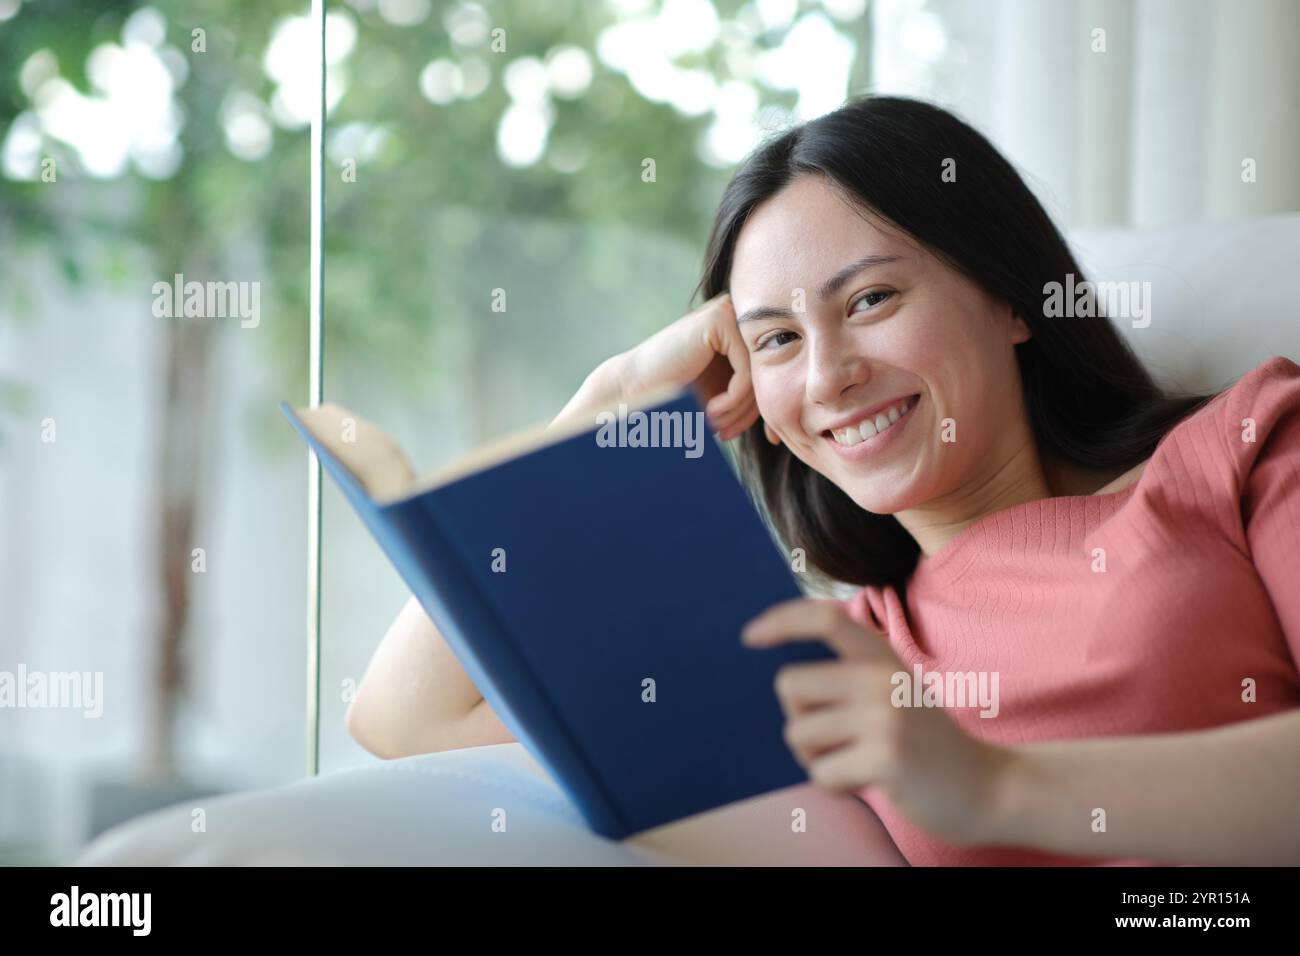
{"points": [[852, 325]]}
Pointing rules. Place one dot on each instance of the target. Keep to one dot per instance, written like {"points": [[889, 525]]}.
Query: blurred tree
{"points": [[419, 194], [184, 220]]}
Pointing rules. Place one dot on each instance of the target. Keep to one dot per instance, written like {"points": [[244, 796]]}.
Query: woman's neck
{"points": [[1020, 478], [1069, 479]]}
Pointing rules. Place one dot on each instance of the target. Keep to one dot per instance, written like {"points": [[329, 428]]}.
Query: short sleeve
{"points": [[1262, 426], [862, 608], [854, 605]]}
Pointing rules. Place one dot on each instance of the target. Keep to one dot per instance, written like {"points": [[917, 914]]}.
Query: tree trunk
{"points": [[184, 425]]}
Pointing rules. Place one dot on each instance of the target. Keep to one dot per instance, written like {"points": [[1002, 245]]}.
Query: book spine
{"points": [[483, 646]]}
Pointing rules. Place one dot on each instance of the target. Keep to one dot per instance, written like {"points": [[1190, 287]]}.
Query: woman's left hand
{"points": [[846, 732]]}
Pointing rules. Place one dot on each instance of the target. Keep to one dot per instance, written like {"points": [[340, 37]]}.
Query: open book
{"points": [[592, 578]]}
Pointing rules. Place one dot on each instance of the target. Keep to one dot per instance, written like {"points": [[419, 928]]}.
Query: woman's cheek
{"points": [[920, 342], [777, 399]]}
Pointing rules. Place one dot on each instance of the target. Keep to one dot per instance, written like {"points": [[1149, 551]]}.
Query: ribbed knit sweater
{"points": [[1170, 605]]}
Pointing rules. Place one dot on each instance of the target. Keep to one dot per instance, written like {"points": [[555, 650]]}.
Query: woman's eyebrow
{"points": [[828, 288], [836, 282]]}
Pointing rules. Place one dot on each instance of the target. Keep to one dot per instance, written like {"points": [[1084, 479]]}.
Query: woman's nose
{"points": [[834, 369]]}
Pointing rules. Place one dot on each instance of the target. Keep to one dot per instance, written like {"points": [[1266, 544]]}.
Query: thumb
{"points": [[740, 388]]}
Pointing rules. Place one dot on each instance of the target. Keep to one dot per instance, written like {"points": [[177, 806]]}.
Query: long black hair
{"points": [[1090, 400]]}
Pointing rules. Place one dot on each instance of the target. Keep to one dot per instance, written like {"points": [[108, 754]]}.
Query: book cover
{"points": [[594, 589]]}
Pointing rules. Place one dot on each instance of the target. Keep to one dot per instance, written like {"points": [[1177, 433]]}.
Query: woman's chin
{"points": [[880, 501], [879, 493]]}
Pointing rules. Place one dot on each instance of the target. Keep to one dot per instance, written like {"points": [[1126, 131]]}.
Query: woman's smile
{"points": [[872, 432]]}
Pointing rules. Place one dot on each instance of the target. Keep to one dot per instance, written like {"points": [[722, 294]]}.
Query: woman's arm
{"points": [[415, 697], [1223, 796], [1229, 796]]}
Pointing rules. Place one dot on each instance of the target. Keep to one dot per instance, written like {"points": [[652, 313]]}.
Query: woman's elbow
{"points": [[389, 734], [380, 732], [361, 727]]}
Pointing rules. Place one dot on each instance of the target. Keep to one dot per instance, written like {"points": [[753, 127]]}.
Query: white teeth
{"points": [[871, 427]]}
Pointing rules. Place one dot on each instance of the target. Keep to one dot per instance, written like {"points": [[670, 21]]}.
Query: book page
{"points": [[372, 457], [384, 470]]}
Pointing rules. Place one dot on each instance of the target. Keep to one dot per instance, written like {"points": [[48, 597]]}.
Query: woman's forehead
{"points": [[786, 245]]}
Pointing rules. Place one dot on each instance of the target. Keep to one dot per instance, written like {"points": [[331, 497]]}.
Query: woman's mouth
{"points": [[871, 430]]}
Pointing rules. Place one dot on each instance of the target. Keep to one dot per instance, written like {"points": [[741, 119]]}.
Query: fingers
{"points": [[804, 619], [733, 406], [809, 735], [724, 382], [844, 769], [732, 423], [830, 746], [740, 388], [723, 408], [802, 688]]}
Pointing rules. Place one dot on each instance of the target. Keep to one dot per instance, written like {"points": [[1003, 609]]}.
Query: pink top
{"points": [[1201, 590]]}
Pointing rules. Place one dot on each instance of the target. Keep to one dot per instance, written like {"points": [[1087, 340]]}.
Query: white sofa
{"points": [[1221, 294], [1221, 303], [481, 806]]}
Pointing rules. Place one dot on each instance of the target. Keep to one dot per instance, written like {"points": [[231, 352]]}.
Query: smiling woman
{"points": [[929, 255], [1020, 500], [1025, 508]]}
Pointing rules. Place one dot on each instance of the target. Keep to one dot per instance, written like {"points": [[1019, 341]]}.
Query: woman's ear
{"points": [[1019, 330], [772, 436]]}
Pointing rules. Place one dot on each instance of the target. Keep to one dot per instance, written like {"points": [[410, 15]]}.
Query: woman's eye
{"points": [[776, 337], [872, 299]]}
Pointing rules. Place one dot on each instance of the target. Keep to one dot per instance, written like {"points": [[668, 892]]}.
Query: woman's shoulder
{"points": [[1267, 392], [1255, 418], [1263, 404]]}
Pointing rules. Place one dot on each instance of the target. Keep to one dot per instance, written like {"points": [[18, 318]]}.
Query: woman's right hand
{"points": [[703, 349]]}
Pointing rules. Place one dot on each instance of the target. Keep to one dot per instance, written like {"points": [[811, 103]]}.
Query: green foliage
{"points": [[433, 221]]}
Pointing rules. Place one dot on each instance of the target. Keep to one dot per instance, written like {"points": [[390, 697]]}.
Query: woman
{"points": [[1014, 495]]}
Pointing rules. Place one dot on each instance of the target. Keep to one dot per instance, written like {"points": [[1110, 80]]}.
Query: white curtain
{"points": [[1159, 128]]}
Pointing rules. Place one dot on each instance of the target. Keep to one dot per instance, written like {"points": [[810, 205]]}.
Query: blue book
{"points": [[593, 581]]}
